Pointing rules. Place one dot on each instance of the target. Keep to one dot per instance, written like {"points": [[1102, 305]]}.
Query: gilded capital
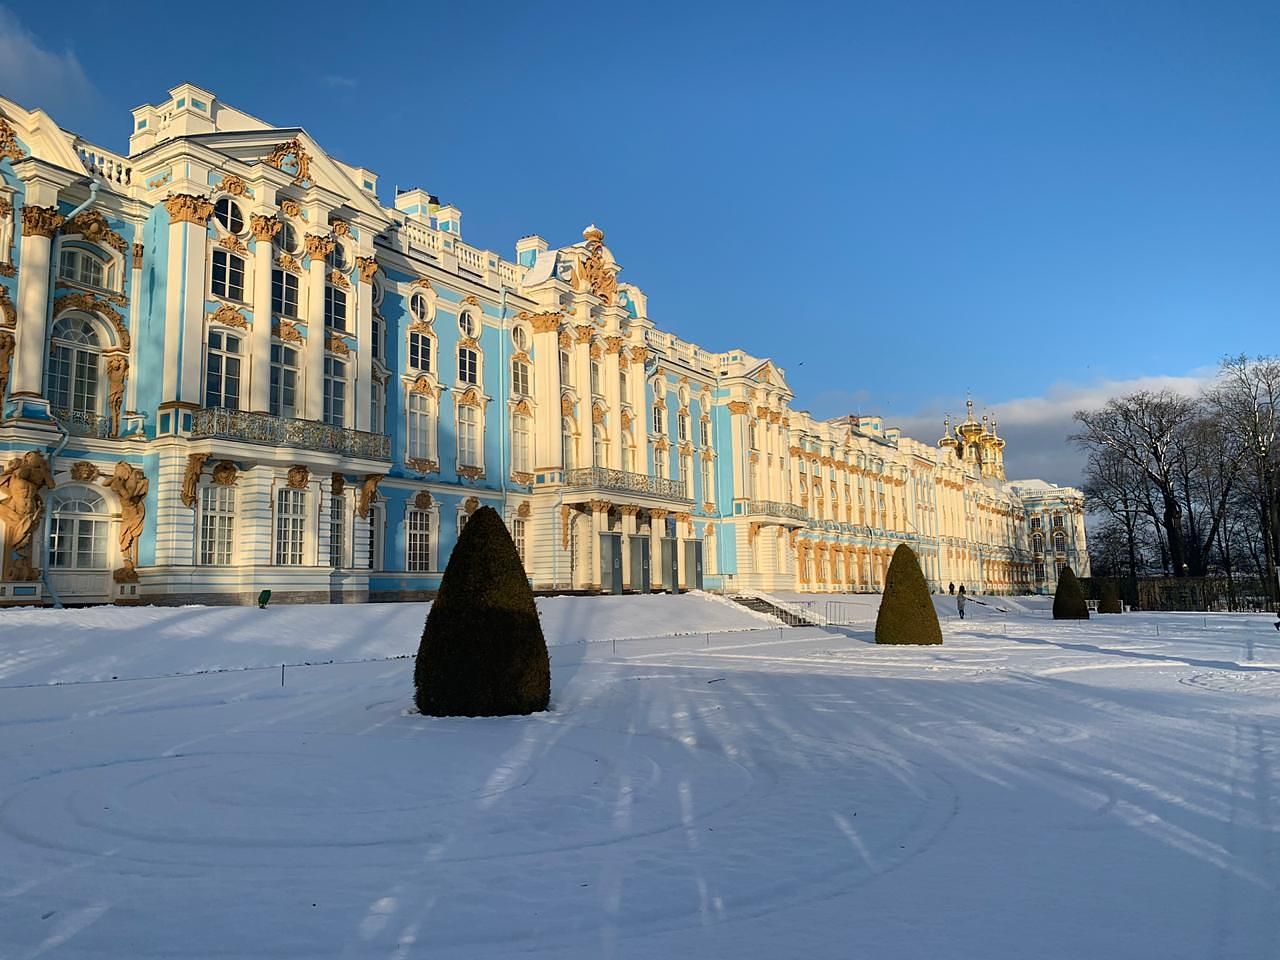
{"points": [[739, 406], [542, 322], [319, 245], [264, 228], [368, 268], [186, 208], [584, 332], [41, 221]]}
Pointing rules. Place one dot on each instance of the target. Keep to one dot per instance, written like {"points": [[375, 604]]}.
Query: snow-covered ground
{"points": [[1030, 789]]}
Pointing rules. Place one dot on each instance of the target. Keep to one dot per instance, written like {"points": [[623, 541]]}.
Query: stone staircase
{"points": [[759, 605]]}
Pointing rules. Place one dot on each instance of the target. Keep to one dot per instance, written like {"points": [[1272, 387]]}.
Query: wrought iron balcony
{"points": [[599, 478], [223, 424], [771, 508], [79, 423]]}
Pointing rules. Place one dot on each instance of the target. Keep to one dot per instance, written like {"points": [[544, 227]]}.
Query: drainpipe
{"points": [[502, 398], [95, 185]]}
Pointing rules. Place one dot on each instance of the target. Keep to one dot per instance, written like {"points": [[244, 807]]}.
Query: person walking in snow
{"points": [[951, 589], [960, 598]]}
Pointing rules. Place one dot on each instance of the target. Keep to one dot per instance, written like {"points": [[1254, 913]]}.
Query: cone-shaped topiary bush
{"points": [[1109, 602], [482, 652], [1068, 602], [906, 609]]}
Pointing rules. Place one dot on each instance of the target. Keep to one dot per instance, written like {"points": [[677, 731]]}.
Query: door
{"points": [[611, 562], [640, 564], [693, 563], [671, 564], [79, 547]]}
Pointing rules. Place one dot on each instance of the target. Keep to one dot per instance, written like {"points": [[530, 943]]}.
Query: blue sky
{"points": [[900, 202]]}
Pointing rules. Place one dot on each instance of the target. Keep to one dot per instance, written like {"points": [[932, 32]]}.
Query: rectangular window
{"points": [[217, 524], [377, 407], [222, 371], [377, 330], [284, 293], [682, 427], [595, 377], [418, 541], [420, 427], [228, 275], [1035, 523], [335, 308], [375, 537], [660, 464], [468, 437], [291, 524], [284, 381], [519, 378], [684, 474], [708, 494], [705, 433], [521, 445], [468, 366], [337, 532], [1057, 523], [566, 369], [419, 351], [622, 385], [518, 536], [335, 392], [657, 419]]}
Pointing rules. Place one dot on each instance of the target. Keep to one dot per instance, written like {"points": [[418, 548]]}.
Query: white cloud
{"points": [[35, 76], [1037, 428]]}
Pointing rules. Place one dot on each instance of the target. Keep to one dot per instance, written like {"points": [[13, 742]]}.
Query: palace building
{"points": [[227, 366]]}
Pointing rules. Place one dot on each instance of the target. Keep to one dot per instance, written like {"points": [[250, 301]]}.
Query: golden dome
{"points": [[593, 234]]}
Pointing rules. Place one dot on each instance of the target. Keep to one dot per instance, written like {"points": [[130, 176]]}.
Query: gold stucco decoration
{"points": [[524, 509], [117, 370], [566, 405], [280, 157], [739, 406], [191, 478], [337, 483], [471, 473], [93, 226], [337, 345], [187, 208], [368, 494], [523, 408], [368, 268], [7, 344], [471, 299], [318, 245], [8, 312], [225, 473], [264, 228], [584, 331], [422, 465], [597, 414], [40, 221], [470, 398], [340, 228], [298, 477], [339, 280], [288, 262], [422, 500], [23, 481], [138, 251], [596, 272], [9, 149], [130, 485], [229, 316], [95, 305], [541, 322], [233, 185], [286, 332], [290, 207]]}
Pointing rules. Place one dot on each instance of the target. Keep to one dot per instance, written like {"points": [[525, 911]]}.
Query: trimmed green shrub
{"points": [[482, 652], [1068, 602], [906, 609], [1109, 602]]}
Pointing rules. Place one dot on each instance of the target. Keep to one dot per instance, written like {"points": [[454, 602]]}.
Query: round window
{"points": [[227, 213], [419, 307], [338, 259], [287, 239], [520, 337], [467, 324]]}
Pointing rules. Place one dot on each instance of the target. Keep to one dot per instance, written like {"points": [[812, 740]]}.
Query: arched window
{"points": [[73, 366], [81, 266], [519, 378], [1059, 543], [1037, 543], [78, 530], [521, 444], [599, 446], [284, 381], [421, 424], [468, 436], [222, 371], [568, 444]]}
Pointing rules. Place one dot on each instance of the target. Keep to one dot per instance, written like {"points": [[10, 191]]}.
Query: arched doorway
{"points": [[81, 548]]}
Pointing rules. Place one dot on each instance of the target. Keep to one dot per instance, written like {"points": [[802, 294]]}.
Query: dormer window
{"points": [[80, 266]]}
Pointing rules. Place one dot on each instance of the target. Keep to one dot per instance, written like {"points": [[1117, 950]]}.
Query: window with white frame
{"points": [[628, 452], [708, 491], [377, 406], [339, 258], [660, 463], [519, 378], [568, 444], [521, 443], [378, 333], [467, 324], [1057, 521], [217, 524], [376, 529], [468, 436], [286, 239], [222, 371], [420, 307], [657, 418], [227, 279], [595, 377], [335, 308], [418, 541], [81, 266], [682, 426], [227, 213], [600, 446], [520, 339], [622, 385], [685, 475], [335, 392], [284, 293], [566, 368], [291, 526], [420, 423], [705, 433], [74, 358], [1059, 543], [468, 366], [419, 351], [283, 398], [78, 529], [337, 531], [518, 536]]}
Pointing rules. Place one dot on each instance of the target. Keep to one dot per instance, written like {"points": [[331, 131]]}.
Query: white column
{"points": [[367, 267], [547, 442], [184, 302], [613, 400], [39, 224], [265, 227], [318, 247], [657, 529]]}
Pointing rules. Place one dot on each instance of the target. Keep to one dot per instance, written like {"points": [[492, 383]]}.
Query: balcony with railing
{"points": [[620, 481], [80, 423], [222, 424], [772, 508]]}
